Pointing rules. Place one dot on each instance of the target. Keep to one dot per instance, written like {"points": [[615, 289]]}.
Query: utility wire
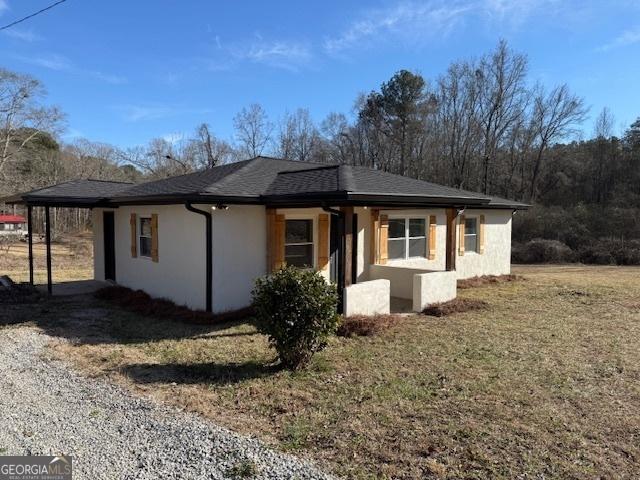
{"points": [[32, 15]]}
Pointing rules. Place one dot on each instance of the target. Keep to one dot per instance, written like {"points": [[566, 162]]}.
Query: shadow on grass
{"points": [[207, 373], [83, 319]]}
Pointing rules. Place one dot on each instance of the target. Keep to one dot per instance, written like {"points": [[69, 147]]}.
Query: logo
{"points": [[35, 468]]}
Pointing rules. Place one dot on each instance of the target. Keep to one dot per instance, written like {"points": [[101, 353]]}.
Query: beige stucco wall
{"points": [[367, 298], [496, 259]]}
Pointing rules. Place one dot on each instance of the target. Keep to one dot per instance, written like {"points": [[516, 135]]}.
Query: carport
{"points": [[72, 194]]}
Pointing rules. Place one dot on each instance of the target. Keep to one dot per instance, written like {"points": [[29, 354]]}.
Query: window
{"points": [[471, 234], [145, 237], [407, 238], [298, 243]]}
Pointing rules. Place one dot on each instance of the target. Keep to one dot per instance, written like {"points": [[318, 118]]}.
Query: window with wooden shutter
{"points": [[133, 221], [432, 237], [154, 238], [461, 226], [383, 252], [481, 227], [323, 241]]}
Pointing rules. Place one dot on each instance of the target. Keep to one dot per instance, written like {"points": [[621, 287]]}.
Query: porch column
{"points": [[349, 266], [30, 241], [452, 215], [47, 218]]}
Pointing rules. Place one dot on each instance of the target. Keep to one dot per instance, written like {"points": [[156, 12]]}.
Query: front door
{"points": [[109, 246]]}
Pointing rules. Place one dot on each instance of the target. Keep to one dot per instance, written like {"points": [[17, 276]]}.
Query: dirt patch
{"points": [[458, 305], [366, 326], [488, 280]]}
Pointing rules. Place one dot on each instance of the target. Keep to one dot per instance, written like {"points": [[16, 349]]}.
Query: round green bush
{"points": [[297, 310]]}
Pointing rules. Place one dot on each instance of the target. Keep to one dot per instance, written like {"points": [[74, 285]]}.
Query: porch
{"points": [[381, 258]]}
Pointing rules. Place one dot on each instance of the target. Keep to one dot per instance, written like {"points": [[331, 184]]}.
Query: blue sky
{"points": [[127, 71]]}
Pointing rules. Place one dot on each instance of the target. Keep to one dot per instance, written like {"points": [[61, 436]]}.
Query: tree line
{"points": [[482, 125]]}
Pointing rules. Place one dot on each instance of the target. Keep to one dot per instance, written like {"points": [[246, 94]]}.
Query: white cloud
{"points": [[61, 63], [145, 112], [417, 22], [280, 54], [3, 6], [287, 55], [24, 35], [173, 138], [626, 38]]}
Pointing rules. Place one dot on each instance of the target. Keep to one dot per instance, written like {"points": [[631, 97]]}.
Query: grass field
{"points": [[71, 258], [543, 384]]}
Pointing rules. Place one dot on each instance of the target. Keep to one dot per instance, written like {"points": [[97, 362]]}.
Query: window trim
{"points": [[314, 233], [407, 238], [140, 236], [475, 218]]}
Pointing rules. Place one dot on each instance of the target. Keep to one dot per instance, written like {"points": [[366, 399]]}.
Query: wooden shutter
{"points": [[383, 253], [461, 233], [323, 241], [278, 253], [154, 237], [375, 226], [133, 222], [481, 234], [432, 237], [271, 238]]}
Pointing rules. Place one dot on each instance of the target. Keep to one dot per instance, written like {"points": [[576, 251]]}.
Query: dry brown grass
{"points": [[543, 384], [366, 326], [72, 259]]}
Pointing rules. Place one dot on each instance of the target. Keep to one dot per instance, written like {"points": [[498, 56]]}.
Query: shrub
{"points": [[457, 305], [540, 250], [611, 252], [366, 326], [297, 309]]}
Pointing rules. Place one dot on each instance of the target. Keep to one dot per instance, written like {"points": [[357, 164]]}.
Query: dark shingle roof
{"points": [[73, 192], [270, 180]]}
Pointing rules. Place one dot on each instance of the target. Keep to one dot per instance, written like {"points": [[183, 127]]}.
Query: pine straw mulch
{"points": [[488, 280], [457, 305]]}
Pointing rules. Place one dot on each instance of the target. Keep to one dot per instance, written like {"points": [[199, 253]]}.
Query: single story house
{"points": [[13, 225], [203, 238]]}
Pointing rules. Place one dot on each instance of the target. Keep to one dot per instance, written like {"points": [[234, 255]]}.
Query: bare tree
{"points": [[210, 150], [22, 117], [554, 117], [253, 130], [298, 137]]}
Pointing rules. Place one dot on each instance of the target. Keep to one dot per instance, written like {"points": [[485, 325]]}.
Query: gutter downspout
{"points": [[208, 253]]}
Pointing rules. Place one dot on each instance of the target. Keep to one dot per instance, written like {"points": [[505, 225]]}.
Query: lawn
{"points": [[545, 383], [71, 258]]}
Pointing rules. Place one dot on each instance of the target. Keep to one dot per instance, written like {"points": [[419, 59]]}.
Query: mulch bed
{"points": [[366, 326], [457, 305], [487, 280]]}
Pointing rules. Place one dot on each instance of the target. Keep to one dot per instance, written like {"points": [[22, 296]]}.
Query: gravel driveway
{"points": [[46, 408]]}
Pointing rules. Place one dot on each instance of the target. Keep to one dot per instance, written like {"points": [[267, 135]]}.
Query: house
{"points": [[13, 225], [203, 238]]}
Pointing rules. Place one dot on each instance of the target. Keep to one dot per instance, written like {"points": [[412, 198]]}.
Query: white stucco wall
{"points": [[179, 275], [496, 259], [401, 278], [239, 255], [368, 298], [433, 287]]}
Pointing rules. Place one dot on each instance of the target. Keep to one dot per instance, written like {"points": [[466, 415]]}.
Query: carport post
{"points": [[48, 241], [30, 240]]}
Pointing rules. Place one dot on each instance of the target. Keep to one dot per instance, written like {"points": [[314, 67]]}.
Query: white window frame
{"points": [[407, 238], [140, 235], [477, 234], [314, 230]]}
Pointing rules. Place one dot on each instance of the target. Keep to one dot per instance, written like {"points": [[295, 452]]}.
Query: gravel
{"points": [[47, 409]]}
